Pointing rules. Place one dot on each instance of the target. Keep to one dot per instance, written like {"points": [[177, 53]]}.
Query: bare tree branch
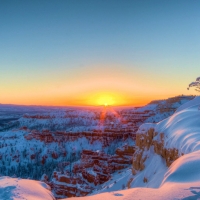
{"points": [[195, 84]]}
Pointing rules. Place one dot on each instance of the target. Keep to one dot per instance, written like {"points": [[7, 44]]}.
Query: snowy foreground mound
{"points": [[167, 160], [19, 189]]}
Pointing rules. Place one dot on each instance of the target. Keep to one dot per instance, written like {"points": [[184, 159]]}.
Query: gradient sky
{"points": [[85, 52]]}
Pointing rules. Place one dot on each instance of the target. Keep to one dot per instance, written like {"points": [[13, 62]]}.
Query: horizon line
{"points": [[61, 106]]}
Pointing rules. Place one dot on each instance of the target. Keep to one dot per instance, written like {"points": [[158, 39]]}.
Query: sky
{"points": [[95, 52]]}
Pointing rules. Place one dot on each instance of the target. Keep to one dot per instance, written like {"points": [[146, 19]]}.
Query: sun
{"points": [[106, 100]]}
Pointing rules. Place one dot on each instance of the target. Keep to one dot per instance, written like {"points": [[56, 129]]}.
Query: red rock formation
{"points": [[38, 116], [94, 168], [54, 155], [144, 141], [69, 186]]}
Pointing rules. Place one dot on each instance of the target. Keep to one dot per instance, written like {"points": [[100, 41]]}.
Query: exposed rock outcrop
{"points": [[94, 168], [152, 139]]}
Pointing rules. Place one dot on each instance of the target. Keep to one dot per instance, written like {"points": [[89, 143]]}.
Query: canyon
{"points": [[80, 151]]}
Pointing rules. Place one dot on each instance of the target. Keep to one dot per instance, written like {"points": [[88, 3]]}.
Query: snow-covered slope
{"points": [[19, 189], [182, 130], [188, 104], [168, 158], [172, 191], [179, 135]]}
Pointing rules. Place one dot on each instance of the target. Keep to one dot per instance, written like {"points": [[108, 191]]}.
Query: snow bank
{"points": [[195, 101], [184, 170], [167, 192], [19, 189]]}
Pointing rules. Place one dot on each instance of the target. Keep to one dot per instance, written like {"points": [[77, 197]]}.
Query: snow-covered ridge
{"points": [[182, 130], [173, 142], [176, 139]]}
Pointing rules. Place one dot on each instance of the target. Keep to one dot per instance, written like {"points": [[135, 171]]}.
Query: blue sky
{"points": [[46, 45]]}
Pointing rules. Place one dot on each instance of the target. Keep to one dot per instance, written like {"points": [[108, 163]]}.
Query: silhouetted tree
{"points": [[195, 84]]}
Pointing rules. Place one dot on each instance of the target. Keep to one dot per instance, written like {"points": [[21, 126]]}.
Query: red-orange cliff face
{"points": [[94, 168], [106, 136]]}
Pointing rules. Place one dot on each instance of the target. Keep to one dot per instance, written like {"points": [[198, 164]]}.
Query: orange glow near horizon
{"points": [[87, 99], [93, 85], [105, 99]]}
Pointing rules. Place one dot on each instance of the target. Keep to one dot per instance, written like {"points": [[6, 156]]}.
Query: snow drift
{"points": [[19, 189]]}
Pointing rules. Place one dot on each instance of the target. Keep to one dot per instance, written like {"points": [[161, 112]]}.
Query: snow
{"points": [[184, 169], [195, 101], [154, 171], [145, 127], [147, 107], [182, 130], [170, 191], [118, 180], [181, 180], [19, 189]]}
